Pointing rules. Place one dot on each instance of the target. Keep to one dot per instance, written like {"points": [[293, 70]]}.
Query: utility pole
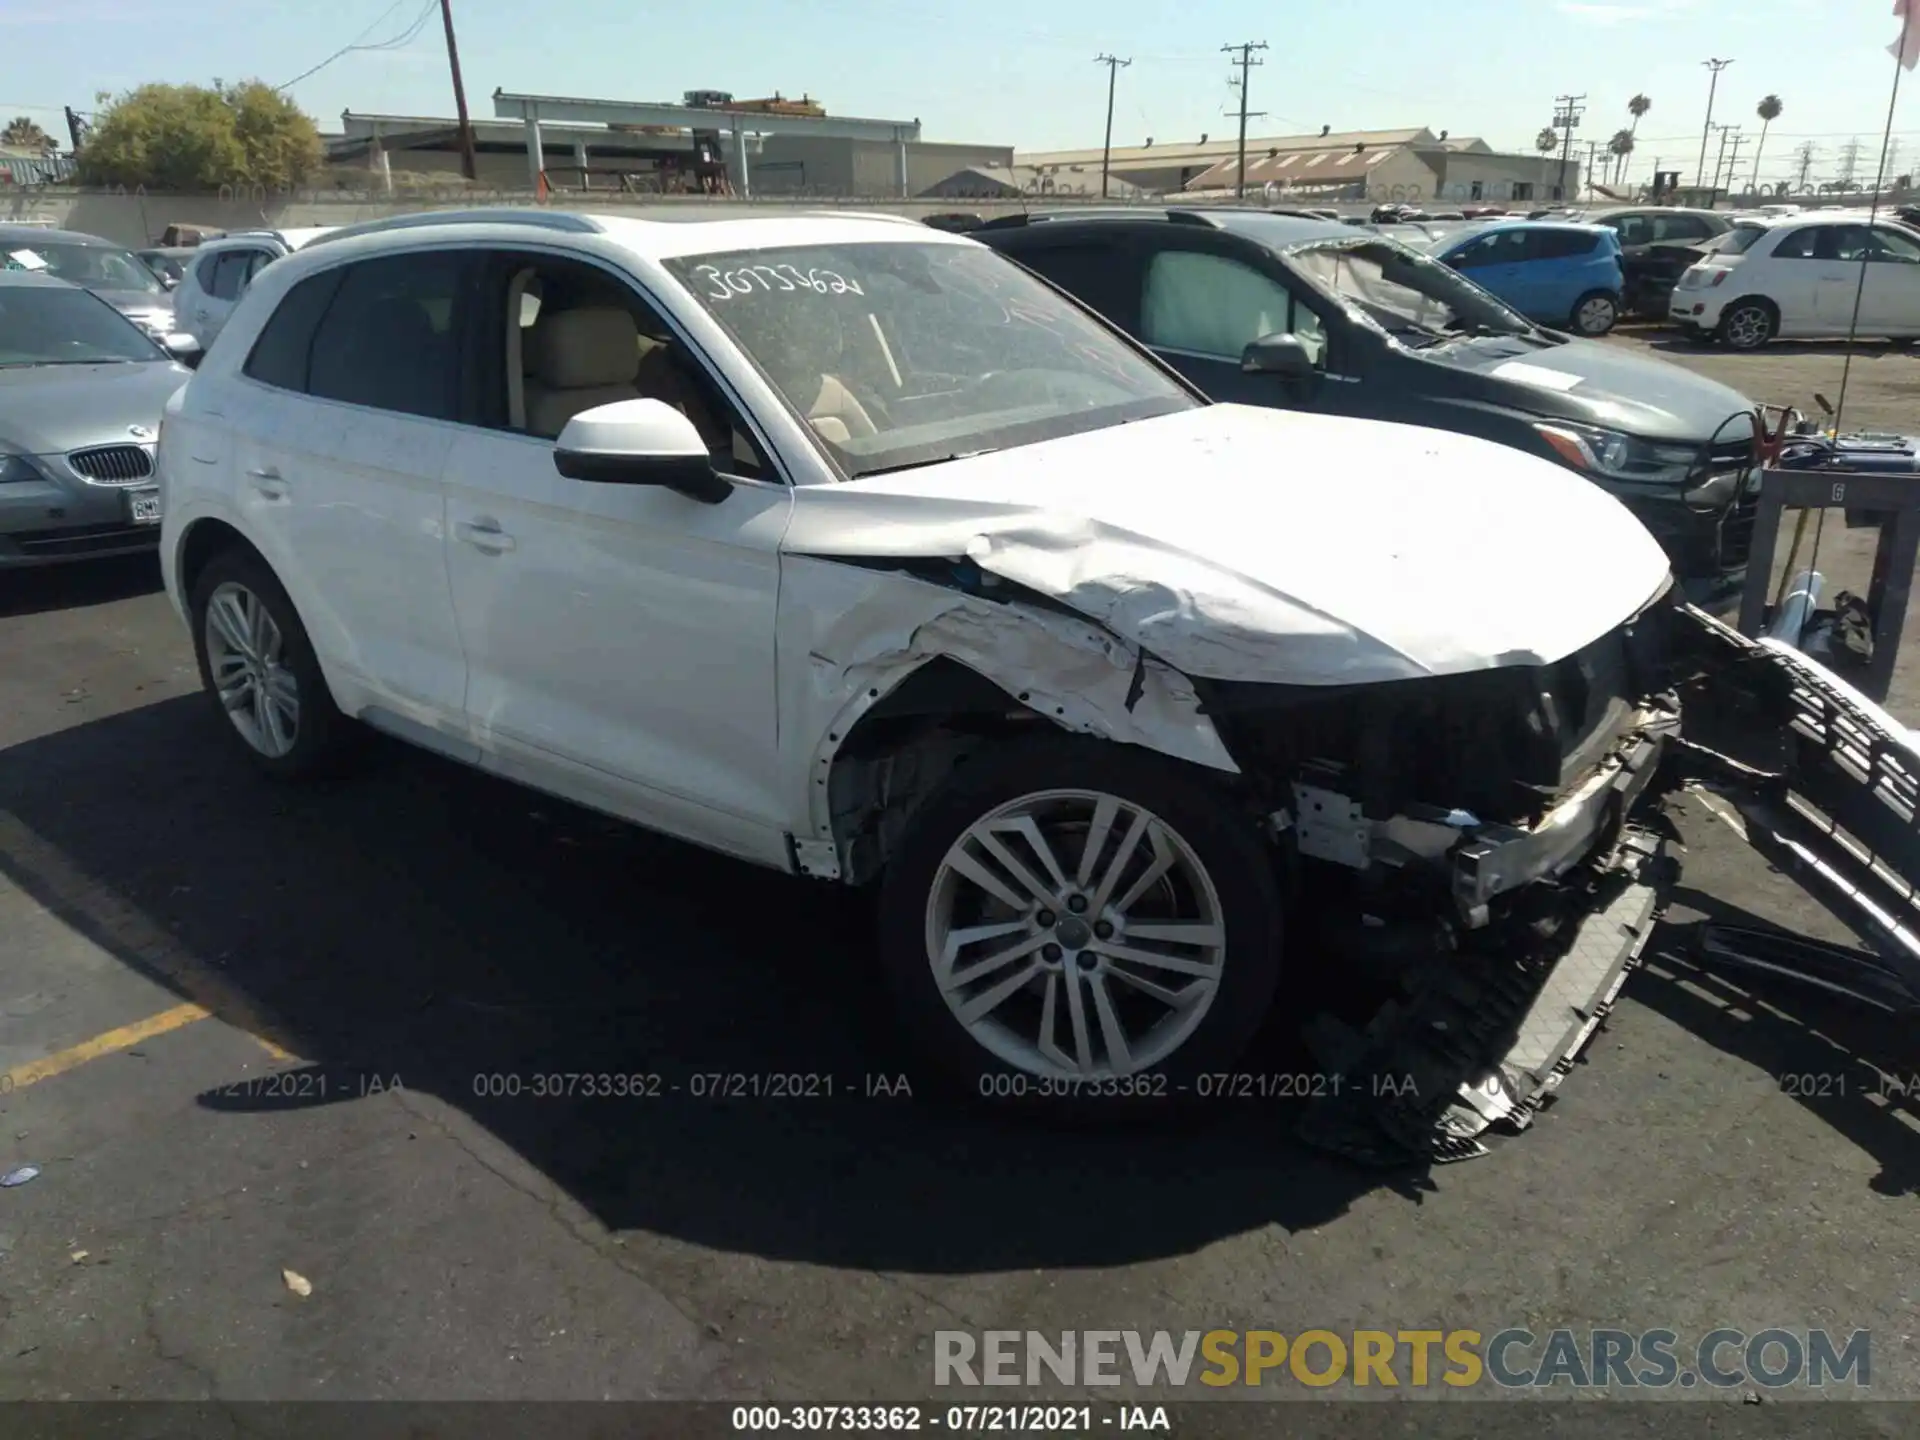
{"points": [[1567, 110], [1592, 145], [1733, 160], [1716, 66], [1114, 67], [468, 166], [1247, 62], [1719, 161]]}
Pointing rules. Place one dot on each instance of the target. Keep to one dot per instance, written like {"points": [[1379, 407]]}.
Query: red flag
{"points": [[1907, 48]]}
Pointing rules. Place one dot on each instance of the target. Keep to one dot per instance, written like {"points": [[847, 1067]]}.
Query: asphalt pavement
{"points": [[277, 1054]]}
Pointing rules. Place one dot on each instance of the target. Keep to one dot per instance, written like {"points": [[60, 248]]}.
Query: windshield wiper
{"points": [[921, 464]]}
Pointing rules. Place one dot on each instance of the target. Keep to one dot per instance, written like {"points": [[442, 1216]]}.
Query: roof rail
{"points": [[562, 220], [1105, 212], [861, 215]]}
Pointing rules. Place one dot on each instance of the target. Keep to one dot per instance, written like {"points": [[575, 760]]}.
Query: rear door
{"points": [[353, 397]]}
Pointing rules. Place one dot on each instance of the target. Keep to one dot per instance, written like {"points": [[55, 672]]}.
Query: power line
{"points": [[1247, 62], [400, 41], [1114, 66], [1803, 166]]}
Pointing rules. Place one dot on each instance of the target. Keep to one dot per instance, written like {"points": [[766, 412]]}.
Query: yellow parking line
{"points": [[123, 1038]]}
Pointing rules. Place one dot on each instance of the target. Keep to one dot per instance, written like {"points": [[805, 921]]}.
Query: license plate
{"points": [[143, 506]]}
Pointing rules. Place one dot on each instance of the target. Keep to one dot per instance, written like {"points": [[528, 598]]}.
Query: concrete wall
{"points": [[135, 220], [1497, 175], [810, 165]]}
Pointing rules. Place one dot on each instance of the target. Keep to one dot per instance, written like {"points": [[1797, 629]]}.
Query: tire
{"points": [[1594, 314], [1747, 325], [1694, 335], [1221, 886], [289, 746]]}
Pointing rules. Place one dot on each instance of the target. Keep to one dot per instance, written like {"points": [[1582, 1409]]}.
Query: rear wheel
{"points": [[1075, 925], [1595, 314], [1748, 325], [259, 667]]}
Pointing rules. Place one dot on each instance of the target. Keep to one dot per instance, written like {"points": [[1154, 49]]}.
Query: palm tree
{"points": [[1620, 147], [1769, 111], [23, 133], [1547, 141], [1636, 107]]}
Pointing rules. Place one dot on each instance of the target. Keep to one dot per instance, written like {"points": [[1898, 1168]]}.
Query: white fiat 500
{"points": [[847, 547]]}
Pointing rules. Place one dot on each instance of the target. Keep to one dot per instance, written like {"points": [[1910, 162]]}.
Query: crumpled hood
{"points": [[1240, 543], [51, 409]]}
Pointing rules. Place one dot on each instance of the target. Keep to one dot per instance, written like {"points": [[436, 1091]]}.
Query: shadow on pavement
{"points": [[422, 922], [1852, 1065], [62, 587]]}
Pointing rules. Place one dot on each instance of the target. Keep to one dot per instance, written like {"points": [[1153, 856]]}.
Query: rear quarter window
{"points": [[1739, 240], [1562, 244]]}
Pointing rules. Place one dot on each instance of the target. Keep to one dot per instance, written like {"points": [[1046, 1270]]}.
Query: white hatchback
{"points": [[847, 547], [1802, 277]]}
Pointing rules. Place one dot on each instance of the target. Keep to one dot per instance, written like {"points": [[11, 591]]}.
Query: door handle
{"points": [[484, 535], [269, 482]]}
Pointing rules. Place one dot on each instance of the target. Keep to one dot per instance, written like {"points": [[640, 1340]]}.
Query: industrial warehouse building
{"points": [[710, 143], [1411, 165]]}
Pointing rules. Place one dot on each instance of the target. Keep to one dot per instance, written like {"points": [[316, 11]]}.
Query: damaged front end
{"points": [[1508, 931], [1476, 843]]}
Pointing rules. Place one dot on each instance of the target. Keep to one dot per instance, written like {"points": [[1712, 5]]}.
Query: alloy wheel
{"points": [[245, 655], [1072, 933], [1747, 327]]}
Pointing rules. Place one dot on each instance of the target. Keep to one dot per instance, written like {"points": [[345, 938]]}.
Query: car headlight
{"points": [[1616, 456], [15, 468]]}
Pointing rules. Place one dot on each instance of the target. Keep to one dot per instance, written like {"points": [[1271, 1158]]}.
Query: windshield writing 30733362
{"points": [[773, 279]]}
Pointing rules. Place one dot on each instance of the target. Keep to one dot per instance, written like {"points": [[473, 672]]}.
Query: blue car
{"points": [[1554, 272]]}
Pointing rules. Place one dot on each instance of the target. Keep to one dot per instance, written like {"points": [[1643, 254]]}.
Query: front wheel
{"points": [[1595, 314], [1076, 924]]}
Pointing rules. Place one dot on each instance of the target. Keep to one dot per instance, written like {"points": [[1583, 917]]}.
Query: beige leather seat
{"points": [[577, 359], [836, 415]]}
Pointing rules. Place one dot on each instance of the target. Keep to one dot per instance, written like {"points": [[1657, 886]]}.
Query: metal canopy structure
{"points": [[535, 110]]}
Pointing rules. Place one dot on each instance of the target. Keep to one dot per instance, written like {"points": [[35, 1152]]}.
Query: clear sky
{"points": [[1016, 72]]}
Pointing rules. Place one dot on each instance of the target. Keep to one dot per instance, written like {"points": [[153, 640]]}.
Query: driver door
{"points": [[619, 638], [1200, 309]]}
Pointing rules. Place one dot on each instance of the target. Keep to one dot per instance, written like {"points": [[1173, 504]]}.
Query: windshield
{"points": [[98, 267], [1416, 300], [902, 353], [52, 325]]}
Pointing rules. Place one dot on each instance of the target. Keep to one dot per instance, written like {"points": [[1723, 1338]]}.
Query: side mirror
{"points": [[1277, 354], [184, 348], [639, 442]]}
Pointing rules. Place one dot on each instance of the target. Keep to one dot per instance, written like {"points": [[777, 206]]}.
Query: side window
{"points": [[571, 337], [1680, 227], [1843, 242], [254, 261], [206, 273], [1800, 244], [1895, 246], [282, 354], [1637, 229], [1213, 306], [1560, 244], [1097, 275], [390, 338]]}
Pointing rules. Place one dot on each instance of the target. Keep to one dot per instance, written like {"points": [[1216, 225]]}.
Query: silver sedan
{"points": [[81, 394]]}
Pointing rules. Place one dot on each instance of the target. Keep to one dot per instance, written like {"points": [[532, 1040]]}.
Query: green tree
{"points": [[196, 137], [24, 133]]}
